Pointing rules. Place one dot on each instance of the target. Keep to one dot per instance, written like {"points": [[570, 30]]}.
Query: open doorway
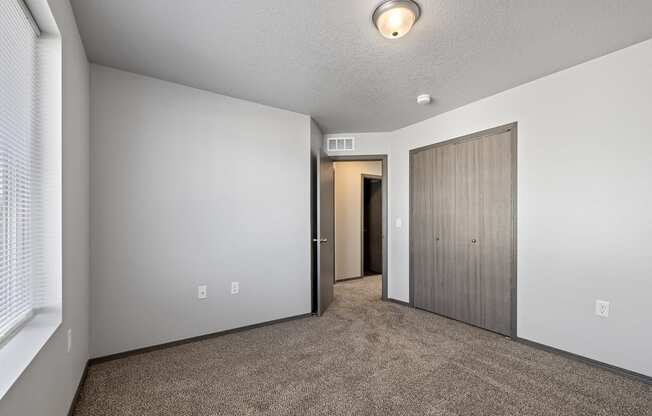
{"points": [[372, 225], [324, 235], [360, 221]]}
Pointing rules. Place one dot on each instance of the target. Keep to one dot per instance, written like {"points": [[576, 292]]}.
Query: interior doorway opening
{"points": [[360, 220], [324, 234]]}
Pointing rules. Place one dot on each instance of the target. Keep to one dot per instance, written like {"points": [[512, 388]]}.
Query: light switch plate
{"points": [[235, 288], [399, 223]]}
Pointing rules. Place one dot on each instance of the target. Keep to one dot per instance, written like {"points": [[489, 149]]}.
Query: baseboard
{"points": [[399, 302], [111, 357], [75, 398], [612, 368]]}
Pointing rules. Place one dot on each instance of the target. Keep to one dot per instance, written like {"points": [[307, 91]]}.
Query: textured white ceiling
{"points": [[325, 58]]}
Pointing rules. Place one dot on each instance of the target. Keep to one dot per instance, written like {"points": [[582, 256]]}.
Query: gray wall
{"points": [[48, 385], [193, 188]]}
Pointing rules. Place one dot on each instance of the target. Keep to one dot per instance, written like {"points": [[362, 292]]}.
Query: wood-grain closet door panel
{"points": [[496, 230], [444, 229], [467, 287], [422, 229]]}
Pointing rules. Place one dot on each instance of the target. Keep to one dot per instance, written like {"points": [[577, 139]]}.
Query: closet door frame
{"points": [[513, 128]]}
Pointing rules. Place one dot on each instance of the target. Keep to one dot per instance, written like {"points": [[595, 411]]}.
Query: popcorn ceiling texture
{"points": [[363, 357], [326, 59]]}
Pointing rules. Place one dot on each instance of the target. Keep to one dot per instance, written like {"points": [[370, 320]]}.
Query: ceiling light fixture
{"points": [[395, 18]]}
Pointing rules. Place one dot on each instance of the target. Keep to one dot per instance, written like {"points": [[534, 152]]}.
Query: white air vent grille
{"points": [[341, 144]]}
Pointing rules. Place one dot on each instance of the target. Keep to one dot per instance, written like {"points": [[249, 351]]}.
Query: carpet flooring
{"points": [[363, 357]]}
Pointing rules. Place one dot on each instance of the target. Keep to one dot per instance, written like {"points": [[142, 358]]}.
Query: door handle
{"points": [[474, 241], [320, 240]]}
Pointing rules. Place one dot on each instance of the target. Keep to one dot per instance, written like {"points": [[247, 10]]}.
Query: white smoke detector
{"points": [[424, 99]]}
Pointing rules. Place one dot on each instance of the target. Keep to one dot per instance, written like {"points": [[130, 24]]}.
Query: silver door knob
{"points": [[320, 240], [474, 241]]}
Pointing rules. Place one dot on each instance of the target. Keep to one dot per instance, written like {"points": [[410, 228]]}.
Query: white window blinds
{"points": [[21, 263]]}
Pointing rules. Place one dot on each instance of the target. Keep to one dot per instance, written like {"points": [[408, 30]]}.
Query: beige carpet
{"points": [[363, 357]]}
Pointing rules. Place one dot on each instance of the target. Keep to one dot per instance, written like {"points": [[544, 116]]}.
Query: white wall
{"points": [[584, 201], [348, 212], [48, 385], [193, 188]]}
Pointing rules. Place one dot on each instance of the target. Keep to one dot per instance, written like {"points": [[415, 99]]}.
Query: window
{"points": [[30, 184], [21, 170]]}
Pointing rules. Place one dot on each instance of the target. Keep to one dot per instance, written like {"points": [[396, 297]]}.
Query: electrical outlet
{"points": [[202, 292], [602, 308], [69, 339], [235, 288]]}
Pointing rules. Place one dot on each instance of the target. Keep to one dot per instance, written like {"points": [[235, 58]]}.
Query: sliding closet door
{"points": [[467, 286], [496, 230], [422, 241]]}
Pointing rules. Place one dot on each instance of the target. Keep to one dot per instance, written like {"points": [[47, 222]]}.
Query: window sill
{"points": [[17, 353]]}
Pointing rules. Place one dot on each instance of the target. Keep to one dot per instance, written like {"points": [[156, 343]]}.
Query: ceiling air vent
{"points": [[340, 144]]}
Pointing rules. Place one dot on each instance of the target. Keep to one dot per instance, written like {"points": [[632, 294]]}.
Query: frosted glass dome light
{"points": [[395, 18]]}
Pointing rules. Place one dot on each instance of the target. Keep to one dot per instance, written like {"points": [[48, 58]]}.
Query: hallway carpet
{"points": [[363, 357]]}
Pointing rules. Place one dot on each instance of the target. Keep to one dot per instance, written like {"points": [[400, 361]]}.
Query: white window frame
{"points": [[19, 350]]}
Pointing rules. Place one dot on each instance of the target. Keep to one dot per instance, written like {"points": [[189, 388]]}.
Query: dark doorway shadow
{"points": [[372, 225]]}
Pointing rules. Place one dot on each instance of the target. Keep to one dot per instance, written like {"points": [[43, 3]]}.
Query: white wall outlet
{"points": [[202, 292], [69, 339], [399, 223], [235, 288], [602, 308]]}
